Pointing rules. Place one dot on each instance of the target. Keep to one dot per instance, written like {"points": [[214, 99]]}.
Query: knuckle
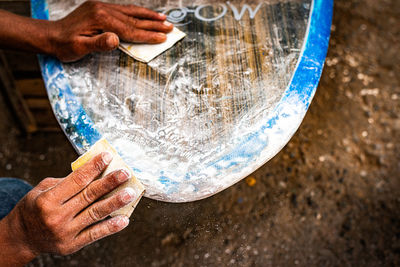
{"points": [[52, 223], [99, 165], [119, 202], [43, 204], [47, 180], [94, 214], [133, 22], [98, 13], [93, 235], [113, 179], [80, 178], [100, 43], [88, 195], [116, 204]]}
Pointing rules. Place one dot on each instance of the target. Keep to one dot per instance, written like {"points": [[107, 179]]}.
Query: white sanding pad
{"points": [[146, 52]]}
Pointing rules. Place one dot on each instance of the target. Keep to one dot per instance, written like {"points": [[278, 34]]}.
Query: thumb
{"points": [[102, 42]]}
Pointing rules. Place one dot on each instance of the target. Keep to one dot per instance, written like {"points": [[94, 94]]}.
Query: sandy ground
{"points": [[331, 197]]}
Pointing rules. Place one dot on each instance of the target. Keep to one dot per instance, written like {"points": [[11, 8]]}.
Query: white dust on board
{"points": [[191, 131]]}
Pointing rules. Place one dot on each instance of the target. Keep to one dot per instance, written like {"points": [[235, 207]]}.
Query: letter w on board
{"points": [[238, 16], [177, 15]]}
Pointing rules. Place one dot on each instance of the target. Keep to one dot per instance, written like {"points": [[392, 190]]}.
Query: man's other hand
{"points": [[96, 26]]}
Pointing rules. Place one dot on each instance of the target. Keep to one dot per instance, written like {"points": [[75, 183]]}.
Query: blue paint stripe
{"points": [[39, 9], [79, 124], [306, 77], [52, 71]]}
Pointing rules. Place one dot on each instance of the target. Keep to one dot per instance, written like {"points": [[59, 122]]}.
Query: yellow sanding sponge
{"points": [[116, 164]]}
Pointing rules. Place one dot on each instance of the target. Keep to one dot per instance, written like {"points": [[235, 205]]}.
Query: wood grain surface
{"points": [[225, 70]]}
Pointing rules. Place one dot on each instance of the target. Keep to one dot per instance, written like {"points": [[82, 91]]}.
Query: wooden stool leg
{"points": [[14, 98]]}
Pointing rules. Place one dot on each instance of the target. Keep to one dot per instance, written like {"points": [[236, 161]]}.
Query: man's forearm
{"points": [[26, 34]]}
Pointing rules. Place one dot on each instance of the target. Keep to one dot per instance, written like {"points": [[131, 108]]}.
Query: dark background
{"points": [[330, 198]]}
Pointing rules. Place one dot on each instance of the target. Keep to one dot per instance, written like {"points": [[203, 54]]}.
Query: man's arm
{"points": [[63, 215], [93, 26], [23, 33]]}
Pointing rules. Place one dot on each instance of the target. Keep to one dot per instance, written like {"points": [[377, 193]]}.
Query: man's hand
{"points": [[97, 26], [61, 216], [93, 26]]}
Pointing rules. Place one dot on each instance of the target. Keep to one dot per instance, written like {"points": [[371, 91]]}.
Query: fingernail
{"points": [[128, 195], [123, 175], [168, 24], [107, 158], [162, 15], [112, 41], [162, 35], [121, 221]]}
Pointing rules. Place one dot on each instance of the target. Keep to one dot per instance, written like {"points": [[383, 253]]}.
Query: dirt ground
{"points": [[331, 197]]}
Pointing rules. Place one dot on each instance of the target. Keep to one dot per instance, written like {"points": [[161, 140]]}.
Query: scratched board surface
{"points": [[189, 122]]}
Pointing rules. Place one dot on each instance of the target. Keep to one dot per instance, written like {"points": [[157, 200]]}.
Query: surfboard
{"points": [[210, 110]]}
